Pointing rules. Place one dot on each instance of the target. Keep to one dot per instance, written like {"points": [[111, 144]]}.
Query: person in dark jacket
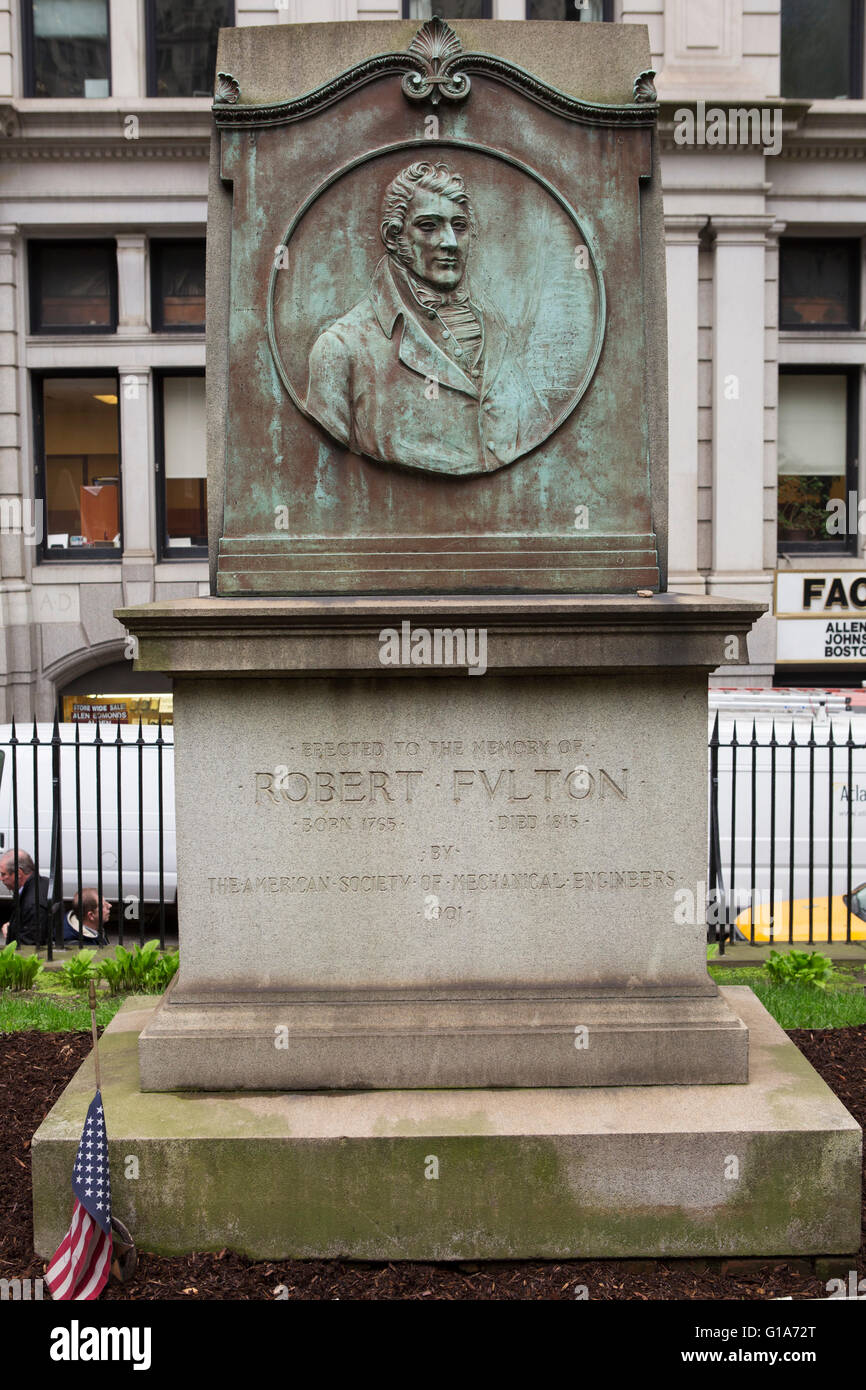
{"points": [[92, 929], [30, 917]]}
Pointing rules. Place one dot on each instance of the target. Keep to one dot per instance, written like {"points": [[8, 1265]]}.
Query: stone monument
{"points": [[441, 758]]}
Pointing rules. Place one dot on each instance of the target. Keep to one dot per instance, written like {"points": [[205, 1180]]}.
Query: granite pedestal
{"points": [[767, 1168], [410, 876]]}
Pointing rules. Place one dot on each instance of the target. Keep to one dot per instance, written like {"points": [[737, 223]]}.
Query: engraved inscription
{"points": [[377, 785], [519, 881]]}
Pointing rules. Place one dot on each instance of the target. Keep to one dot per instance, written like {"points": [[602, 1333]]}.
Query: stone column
{"points": [[297, 12], [139, 509], [21, 519], [126, 20], [738, 406], [133, 309], [682, 234], [8, 85]]}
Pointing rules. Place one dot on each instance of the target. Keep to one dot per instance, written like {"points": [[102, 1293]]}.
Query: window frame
{"points": [[78, 554], [28, 54], [831, 546], [150, 46], [486, 10], [855, 53], [35, 248], [855, 249], [155, 245], [606, 11], [165, 551]]}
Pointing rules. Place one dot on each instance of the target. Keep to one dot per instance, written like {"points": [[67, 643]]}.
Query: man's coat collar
{"points": [[420, 352]]}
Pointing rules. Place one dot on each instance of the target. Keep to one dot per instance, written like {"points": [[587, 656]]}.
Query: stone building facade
{"points": [[103, 160]]}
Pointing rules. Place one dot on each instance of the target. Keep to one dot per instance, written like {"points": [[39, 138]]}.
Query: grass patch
{"points": [[53, 1013], [794, 1005], [55, 982]]}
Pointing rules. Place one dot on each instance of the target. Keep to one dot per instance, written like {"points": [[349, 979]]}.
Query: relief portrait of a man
{"points": [[422, 372]]}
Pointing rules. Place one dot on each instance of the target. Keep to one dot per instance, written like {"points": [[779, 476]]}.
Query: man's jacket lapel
{"points": [[417, 350], [421, 354]]}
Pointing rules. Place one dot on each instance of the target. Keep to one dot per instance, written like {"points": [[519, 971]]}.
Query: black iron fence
{"points": [[787, 800], [93, 807]]}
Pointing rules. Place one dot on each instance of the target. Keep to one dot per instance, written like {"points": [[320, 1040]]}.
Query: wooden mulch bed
{"points": [[35, 1067]]}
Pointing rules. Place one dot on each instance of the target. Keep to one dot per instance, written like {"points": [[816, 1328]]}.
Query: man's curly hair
{"points": [[433, 178]]}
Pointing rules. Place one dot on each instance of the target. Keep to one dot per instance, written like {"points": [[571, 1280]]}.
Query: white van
{"points": [[130, 832], [823, 817]]}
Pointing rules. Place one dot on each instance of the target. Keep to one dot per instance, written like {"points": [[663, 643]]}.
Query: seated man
{"points": [[92, 928], [30, 918]]}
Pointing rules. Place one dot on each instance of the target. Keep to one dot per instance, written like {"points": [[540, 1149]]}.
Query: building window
{"points": [[819, 283], [822, 49], [422, 10], [66, 51], [73, 286], [177, 286], [181, 464], [78, 465], [595, 11], [182, 45], [817, 453]]}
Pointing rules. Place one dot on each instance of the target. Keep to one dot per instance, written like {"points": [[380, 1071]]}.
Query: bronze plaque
{"points": [[436, 337]]}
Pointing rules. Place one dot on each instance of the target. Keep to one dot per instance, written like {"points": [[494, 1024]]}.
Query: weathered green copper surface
{"points": [[437, 333]]}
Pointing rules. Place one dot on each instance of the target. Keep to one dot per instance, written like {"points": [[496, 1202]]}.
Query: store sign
{"points": [[96, 712], [821, 617], [117, 709]]}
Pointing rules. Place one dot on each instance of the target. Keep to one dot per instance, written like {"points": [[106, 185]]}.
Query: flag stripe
{"points": [[78, 1246], [96, 1276], [88, 1265], [63, 1259]]}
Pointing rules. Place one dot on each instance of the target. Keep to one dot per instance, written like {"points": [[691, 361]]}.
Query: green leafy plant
{"points": [[164, 971], [800, 967], [77, 971], [140, 971], [17, 972], [803, 506]]}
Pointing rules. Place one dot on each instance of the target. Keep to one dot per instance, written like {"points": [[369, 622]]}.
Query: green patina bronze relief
{"points": [[426, 371], [436, 339]]}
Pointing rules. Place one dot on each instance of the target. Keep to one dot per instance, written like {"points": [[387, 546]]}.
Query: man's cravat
{"points": [[461, 329]]}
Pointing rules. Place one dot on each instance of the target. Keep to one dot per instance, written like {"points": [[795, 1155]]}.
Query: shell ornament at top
{"points": [[439, 48], [228, 89]]}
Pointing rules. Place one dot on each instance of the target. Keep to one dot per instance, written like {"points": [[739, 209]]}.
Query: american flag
{"points": [[80, 1268]]}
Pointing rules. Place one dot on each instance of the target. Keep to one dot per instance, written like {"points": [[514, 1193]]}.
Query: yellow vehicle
{"points": [[826, 912]]}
